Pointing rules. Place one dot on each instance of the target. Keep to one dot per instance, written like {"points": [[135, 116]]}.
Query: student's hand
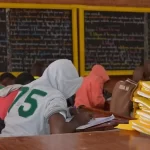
{"points": [[73, 111], [83, 118]]}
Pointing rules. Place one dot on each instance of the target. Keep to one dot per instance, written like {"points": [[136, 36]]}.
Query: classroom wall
{"points": [[138, 3]]}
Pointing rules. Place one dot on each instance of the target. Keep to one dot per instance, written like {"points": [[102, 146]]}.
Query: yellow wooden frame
{"points": [[51, 6], [83, 72]]}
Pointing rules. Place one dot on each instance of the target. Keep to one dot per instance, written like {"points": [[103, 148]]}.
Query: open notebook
{"points": [[94, 122]]}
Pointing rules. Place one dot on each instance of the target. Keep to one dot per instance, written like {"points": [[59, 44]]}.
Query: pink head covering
{"points": [[99, 71], [90, 94]]}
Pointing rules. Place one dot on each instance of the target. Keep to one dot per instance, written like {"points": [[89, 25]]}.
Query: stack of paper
{"points": [[141, 105]]}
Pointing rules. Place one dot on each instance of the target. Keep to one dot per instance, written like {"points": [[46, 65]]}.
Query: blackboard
{"points": [[114, 39], [148, 35], [42, 33], [3, 41]]}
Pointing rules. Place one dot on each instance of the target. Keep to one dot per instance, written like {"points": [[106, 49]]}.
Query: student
{"points": [[37, 70], [41, 107], [8, 94], [7, 79], [90, 94]]}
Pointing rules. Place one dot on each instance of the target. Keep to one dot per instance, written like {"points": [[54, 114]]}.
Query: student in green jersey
{"points": [[41, 108]]}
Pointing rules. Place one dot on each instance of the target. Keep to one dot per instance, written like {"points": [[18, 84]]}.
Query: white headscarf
{"points": [[63, 76]]}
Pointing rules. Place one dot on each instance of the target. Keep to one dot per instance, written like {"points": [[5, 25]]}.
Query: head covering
{"points": [[90, 94], [99, 71], [63, 76]]}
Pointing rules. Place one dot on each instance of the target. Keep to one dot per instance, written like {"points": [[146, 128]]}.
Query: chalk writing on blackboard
{"points": [[114, 39], [39, 35], [3, 41]]}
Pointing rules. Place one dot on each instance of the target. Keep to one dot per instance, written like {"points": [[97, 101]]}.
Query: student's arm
{"points": [[58, 124], [98, 99]]}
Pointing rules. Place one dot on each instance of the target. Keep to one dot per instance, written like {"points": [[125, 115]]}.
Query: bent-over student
{"points": [[41, 108], [90, 94], [8, 94]]}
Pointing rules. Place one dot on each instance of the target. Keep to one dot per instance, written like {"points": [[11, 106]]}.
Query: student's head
{"points": [[138, 74], [7, 79], [63, 76], [101, 73], [24, 78], [37, 69], [98, 70]]}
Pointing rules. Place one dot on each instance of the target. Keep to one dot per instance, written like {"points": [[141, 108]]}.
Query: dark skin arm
{"points": [[58, 124]]}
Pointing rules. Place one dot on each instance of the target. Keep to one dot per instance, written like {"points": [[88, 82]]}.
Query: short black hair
{"points": [[37, 69], [24, 78], [7, 75]]}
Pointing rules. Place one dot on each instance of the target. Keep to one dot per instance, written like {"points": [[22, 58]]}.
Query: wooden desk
{"points": [[113, 140], [106, 126]]}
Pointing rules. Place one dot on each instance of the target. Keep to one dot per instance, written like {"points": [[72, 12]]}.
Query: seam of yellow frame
{"points": [[82, 44], [74, 37]]}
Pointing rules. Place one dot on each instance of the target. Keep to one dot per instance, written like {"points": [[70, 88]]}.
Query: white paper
{"points": [[69, 119], [143, 94], [96, 121], [109, 99]]}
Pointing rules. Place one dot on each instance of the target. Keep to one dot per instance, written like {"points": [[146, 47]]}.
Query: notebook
{"points": [[94, 122]]}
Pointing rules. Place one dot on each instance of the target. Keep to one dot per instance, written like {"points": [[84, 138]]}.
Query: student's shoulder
{"points": [[49, 91]]}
